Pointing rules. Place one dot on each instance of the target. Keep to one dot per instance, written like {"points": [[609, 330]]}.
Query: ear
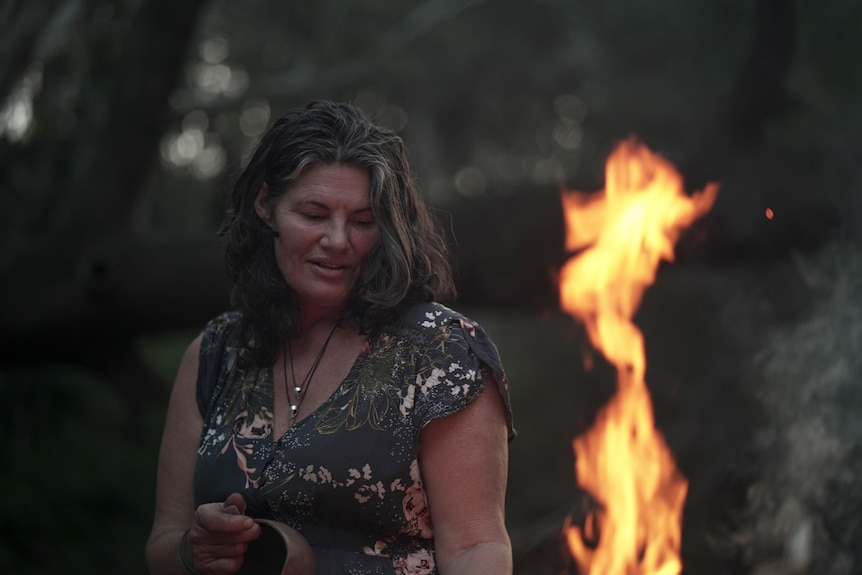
{"points": [[261, 206]]}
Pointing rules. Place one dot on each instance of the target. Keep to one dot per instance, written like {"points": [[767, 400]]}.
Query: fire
{"points": [[623, 234]]}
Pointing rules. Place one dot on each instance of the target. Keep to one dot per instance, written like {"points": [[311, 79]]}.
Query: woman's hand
{"points": [[220, 535]]}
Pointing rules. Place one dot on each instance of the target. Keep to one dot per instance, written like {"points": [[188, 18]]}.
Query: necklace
{"points": [[299, 389]]}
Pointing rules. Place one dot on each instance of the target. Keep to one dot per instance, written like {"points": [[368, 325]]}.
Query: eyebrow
{"points": [[323, 206]]}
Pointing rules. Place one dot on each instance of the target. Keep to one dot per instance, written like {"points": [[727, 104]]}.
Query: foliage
{"points": [[77, 490]]}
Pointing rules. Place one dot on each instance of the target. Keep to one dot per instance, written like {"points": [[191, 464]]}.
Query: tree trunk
{"points": [[72, 271]]}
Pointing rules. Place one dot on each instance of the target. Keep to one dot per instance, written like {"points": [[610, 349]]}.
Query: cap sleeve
{"points": [[458, 361], [213, 354]]}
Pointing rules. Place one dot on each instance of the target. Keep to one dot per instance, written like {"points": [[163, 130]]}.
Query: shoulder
{"points": [[223, 322], [217, 355], [432, 316], [443, 328], [218, 330], [455, 351], [435, 319]]}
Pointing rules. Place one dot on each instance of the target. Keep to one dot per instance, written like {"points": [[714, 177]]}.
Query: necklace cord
{"points": [[300, 389]]}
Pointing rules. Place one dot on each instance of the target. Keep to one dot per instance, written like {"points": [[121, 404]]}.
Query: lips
{"points": [[330, 265]]}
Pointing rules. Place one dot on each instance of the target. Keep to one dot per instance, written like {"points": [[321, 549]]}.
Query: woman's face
{"points": [[326, 230]]}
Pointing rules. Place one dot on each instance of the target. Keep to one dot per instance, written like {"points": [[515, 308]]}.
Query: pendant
{"points": [[297, 390]]}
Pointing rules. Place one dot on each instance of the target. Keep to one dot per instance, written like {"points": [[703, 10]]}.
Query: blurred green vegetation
{"points": [[78, 493]]}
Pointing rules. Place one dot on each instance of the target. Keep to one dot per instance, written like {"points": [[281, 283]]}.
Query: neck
{"points": [[314, 328], [319, 319]]}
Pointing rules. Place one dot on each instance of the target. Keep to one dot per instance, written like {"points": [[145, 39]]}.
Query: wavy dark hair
{"points": [[409, 264]]}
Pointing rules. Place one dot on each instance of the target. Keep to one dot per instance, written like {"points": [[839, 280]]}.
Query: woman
{"points": [[340, 399]]}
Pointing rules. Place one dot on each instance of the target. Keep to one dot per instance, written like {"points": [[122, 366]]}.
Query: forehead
{"points": [[336, 180]]}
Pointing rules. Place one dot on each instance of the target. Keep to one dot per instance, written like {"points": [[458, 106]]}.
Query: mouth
{"points": [[329, 265]]}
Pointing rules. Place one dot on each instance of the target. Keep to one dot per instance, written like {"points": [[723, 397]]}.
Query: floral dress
{"points": [[346, 476]]}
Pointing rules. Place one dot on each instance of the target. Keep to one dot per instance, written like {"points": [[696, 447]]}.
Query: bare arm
{"points": [[218, 536], [464, 462]]}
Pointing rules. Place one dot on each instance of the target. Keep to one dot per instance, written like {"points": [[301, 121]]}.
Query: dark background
{"points": [[123, 124]]}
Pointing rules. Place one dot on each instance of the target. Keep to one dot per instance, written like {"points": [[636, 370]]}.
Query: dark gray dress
{"points": [[346, 476]]}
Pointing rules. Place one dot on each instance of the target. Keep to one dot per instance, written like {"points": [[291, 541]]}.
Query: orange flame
{"points": [[622, 460]]}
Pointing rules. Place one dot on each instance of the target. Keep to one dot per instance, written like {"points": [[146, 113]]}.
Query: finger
{"points": [[211, 551], [213, 518], [221, 558], [222, 565], [234, 504], [203, 537]]}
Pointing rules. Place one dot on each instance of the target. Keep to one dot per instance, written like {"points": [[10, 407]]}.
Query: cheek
{"points": [[285, 254], [291, 243]]}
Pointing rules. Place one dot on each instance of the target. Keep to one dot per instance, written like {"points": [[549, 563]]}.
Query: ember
{"points": [[623, 233]]}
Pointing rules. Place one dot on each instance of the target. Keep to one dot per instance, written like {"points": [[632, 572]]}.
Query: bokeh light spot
{"points": [[214, 50], [254, 117], [470, 181]]}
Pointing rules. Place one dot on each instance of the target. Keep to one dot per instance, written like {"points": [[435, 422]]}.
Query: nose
{"points": [[336, 237]]}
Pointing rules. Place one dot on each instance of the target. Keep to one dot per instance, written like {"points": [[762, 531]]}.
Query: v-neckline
{"points": [[349, 377]]}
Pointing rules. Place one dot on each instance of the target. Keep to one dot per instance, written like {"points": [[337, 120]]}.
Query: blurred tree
{"points": [[87, 85], [501, 99], [84, 92]]}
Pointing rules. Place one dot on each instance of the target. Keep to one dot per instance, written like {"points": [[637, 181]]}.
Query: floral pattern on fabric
{"points": [[346, 476]]}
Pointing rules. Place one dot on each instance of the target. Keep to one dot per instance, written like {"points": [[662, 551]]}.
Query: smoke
{"points": [[803, 513]]}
